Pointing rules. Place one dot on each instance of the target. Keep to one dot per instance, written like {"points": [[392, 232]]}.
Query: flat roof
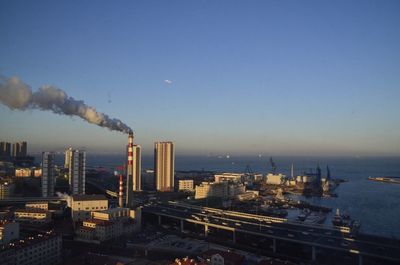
{"points": [[112, 210], [92, 197], [98, 222], [31, 210]]}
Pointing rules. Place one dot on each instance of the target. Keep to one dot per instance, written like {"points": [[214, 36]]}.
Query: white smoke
{"points": [[18, 96]]}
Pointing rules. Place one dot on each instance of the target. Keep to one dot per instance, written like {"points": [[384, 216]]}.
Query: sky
{"points": [[214, 77]]}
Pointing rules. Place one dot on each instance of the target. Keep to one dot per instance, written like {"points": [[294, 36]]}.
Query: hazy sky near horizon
{"points": [[221, 77]]}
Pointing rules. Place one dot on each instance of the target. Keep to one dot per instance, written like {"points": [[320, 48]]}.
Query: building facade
{"points": [[34, 216], [5, 150], [134, 173], [83, 205], [186, 185], [20, 149], [76, 172], [43, 248], [67, 157], [164, 166], [211, 189], [6, 189], [48, 174], [9, 231], [233, 177], [275, 179], [109, 224]]}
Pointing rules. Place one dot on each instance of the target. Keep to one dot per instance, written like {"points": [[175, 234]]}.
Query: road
{"points": [[318, 236]]}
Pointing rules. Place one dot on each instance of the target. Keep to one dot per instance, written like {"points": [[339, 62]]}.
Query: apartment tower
{"points": [[48, 174], [76, 172], [164, 165]]}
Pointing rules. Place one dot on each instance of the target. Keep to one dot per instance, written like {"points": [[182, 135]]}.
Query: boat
{"points": [[338, 219], [394, 180], [315, 218], [303, 214]]}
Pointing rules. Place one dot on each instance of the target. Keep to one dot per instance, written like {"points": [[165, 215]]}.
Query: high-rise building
{"points": [[68, 154], [133, 171], [76, 172], [20, 149], [164, 165], [137, 168], [48, 174], [5, 149]]}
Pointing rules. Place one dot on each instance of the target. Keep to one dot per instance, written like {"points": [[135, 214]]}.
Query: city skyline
{"points": [[288, 78]]}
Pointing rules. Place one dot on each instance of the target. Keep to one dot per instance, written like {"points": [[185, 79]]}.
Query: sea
{"points": [[375, 204]]}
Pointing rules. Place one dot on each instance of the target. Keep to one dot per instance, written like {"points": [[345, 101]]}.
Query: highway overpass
{"points": [[317, 237]]}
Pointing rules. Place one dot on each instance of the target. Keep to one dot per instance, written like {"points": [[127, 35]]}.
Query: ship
{"points": [[340, 220], [310, 217], [303, 215], [394, 180], [315, 218]]}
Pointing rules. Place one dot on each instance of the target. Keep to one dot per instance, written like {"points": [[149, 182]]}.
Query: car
{"points": [[344, 244], [305, 233], [238, 224], [290, 235]]}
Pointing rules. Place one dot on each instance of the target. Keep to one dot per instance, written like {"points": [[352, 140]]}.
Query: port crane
{"points": [[273, 165]]}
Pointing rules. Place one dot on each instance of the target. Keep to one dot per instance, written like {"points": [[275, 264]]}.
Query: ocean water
{"points": [[375, 204]]}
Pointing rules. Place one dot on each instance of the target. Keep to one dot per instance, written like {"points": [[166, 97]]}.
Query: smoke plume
{"points": [[18, 96]]}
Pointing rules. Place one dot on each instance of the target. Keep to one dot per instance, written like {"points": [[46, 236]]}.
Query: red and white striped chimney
{"points": [[129, 171], [121, 191]]}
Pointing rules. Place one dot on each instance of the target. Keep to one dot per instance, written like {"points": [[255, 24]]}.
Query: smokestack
{"points": [[17, 95], [121, 193], [129, 173]]}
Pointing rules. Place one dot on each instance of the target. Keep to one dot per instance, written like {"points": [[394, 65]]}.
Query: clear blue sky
{"points": [[248, 77]]}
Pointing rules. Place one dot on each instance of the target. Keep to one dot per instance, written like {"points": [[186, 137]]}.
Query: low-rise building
{"points": [[43, 248], [234, 177], [223, 190], [23, 172], [109, 224], [6, 189], [37, 205], [34, 216], [275, 179], [186, 185], [211, 189], [83, 205], [8, 231]]}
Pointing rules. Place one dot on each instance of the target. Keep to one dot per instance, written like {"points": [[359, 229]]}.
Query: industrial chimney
{"points": [[129, 170]]}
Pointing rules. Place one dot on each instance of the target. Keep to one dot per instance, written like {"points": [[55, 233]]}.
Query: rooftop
{"points": [[31, 210], [92, 197], [112, 210], [22, 243], [228, 256], [98, 222]]}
